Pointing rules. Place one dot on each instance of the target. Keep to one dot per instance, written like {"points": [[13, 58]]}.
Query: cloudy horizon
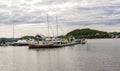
{"points": [[29, 16]]}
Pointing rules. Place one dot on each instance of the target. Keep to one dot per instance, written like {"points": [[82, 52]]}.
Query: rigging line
{"points": [[10, 13], [57, 25], [59, 28], [13, 29], [48, 24], [52, 30], [49, 27]]}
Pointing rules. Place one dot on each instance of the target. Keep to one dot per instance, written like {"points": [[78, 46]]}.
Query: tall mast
{"points": [[13, 31], [48, 24], [57, 25]]}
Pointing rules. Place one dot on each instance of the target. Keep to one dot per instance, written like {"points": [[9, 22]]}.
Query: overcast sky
{"points": [[29, 16]]}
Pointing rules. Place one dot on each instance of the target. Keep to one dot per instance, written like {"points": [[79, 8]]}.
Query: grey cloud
{"points": [[24, 12], [87, 23], [82, 23], [46, 2], [4, 6], [111, 22]]}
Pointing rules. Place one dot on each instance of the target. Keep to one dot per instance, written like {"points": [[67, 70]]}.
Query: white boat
{"points": [[20, 43]]}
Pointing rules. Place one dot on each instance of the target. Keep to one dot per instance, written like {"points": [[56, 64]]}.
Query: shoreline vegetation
{"points": [[86, 33]]}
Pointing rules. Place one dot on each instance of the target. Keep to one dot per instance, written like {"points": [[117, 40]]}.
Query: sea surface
{"points": [[96, 55]]}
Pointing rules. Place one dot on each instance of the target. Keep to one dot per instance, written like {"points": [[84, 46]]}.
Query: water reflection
{"points": [[47, 59], [96, 55]]}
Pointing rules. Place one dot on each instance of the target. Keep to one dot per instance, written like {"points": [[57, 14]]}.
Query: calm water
{"points": [[96, 55]]}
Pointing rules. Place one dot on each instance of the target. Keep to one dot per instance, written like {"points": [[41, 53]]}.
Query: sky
{"points": [[30, 16]]}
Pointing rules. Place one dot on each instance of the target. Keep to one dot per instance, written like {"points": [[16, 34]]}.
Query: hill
{"points": [[27, 37], [88, 33], [10, 39]]}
